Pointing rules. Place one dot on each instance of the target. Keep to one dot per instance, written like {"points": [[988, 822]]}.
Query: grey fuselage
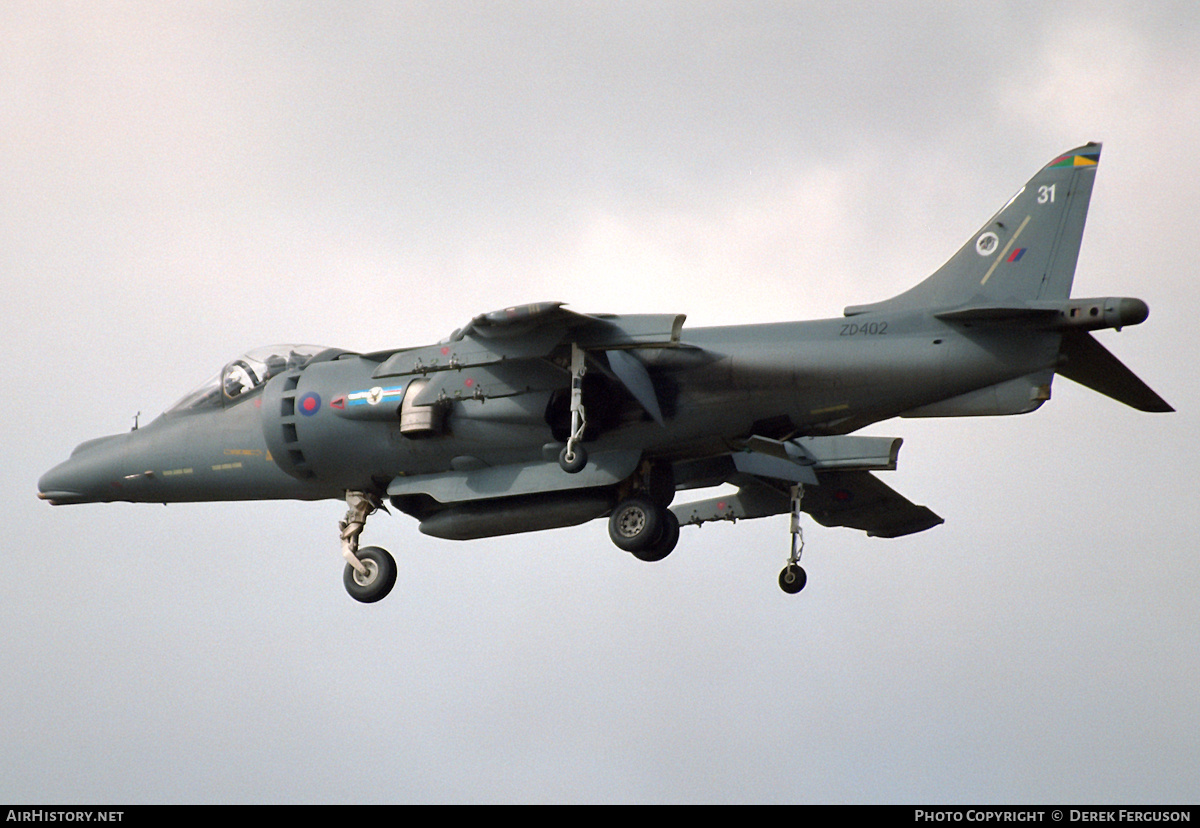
{"points": [[719, 385]]}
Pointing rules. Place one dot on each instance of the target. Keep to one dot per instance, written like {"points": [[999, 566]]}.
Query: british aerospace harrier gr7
{"points": [[538, 416]]}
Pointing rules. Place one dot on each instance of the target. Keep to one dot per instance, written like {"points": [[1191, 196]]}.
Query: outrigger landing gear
{"points": [[793, 578], [371, 572], [573, 457]]}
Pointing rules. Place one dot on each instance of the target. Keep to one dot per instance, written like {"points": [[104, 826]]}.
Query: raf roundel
{"points": [[986, 244], [310, 404]]}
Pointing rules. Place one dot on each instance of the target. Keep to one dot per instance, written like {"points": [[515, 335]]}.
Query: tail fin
{"points": [[1026, 252]]}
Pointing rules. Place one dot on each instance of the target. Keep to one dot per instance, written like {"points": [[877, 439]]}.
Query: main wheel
{"points": [[792, 579], [378, 580], [635, 524], [666, 541], [576, 462]]}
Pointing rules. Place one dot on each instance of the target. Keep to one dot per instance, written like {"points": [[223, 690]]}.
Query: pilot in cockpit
{"points": [[238, 379]]}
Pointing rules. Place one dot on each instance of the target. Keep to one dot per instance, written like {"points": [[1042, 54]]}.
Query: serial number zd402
{"points": [[864, 329]]}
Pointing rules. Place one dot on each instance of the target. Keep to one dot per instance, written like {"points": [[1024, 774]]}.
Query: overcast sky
{"points": [[180, 182]]}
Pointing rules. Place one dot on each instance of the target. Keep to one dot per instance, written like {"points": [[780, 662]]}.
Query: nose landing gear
{"points": [[370, 572]]}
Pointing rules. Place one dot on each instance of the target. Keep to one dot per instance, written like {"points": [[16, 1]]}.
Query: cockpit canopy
{"points": [[249, 371]]}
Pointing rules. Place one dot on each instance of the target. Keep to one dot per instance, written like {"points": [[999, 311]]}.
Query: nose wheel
{"points": [[377, 579], [370, 572]]}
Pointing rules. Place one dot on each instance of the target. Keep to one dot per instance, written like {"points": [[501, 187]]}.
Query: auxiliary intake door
{"points": [[420, 420]]}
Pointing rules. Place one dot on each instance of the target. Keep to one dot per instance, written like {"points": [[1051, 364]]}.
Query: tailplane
{"points": [[1092, 365], [1026, 252]]}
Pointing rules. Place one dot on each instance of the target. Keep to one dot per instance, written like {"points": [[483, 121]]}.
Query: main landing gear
{"points": [[640, 526], [370, 572], [793, 578]]}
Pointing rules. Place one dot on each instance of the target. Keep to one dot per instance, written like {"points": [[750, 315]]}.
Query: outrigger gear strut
{"points": [[797, 531], [573, 458], [793, 577]]}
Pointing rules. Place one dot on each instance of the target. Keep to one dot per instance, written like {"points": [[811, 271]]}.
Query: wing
{"points": [[855, 499], [839, 487], [526, 348], [859, 500]]}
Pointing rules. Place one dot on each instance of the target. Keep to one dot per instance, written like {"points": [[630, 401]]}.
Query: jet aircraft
{"points": [[539, 416]]}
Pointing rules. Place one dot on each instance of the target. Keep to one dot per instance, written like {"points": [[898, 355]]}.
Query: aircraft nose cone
{"points": [[87, 476], [62, 484]]}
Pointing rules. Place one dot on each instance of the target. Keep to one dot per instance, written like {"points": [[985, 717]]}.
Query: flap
{"points": [[764, 456], [849, 453], [636, 331], [777, 468]]}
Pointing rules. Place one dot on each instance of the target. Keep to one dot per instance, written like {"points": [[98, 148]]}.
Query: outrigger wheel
{"points": [[792, 579], [572, 460]]}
